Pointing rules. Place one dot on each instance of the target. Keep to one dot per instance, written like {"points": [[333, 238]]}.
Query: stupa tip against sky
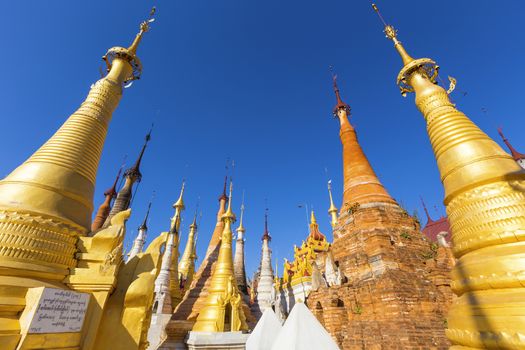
{"points": [[364, 274]]}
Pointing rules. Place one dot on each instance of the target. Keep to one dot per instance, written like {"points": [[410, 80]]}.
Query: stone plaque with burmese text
{"points": [[58, 311]]}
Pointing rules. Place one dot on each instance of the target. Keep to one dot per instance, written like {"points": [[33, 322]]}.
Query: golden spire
{"points": [[361, 184], [174, 232], [47, 202], [144, 27], [411, 65], [186, 263], [179, 207], [229, 214], [223, 292], [313, 220], [180, 202], [117, 54], [391, 33], [485, 204], [315, 234], [333, 209]]}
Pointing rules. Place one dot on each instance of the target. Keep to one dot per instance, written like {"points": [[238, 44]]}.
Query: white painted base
{"points": [[157, 330], [216, 340]]}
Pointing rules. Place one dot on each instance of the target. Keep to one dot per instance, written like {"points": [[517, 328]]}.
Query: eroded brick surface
{"points": [[397, 291]]}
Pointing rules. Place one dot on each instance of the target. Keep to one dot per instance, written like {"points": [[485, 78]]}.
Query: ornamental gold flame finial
{"points": [[410, 64], [144, 28], [129, 54]]}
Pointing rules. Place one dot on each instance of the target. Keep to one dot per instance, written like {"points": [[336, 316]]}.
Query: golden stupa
{"points": [[485, 201], [223, 309], [46, 252]]}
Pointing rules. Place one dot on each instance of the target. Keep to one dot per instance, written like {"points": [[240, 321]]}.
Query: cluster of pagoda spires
{"points": [[361, 186], [69, 201], [123, 197]]}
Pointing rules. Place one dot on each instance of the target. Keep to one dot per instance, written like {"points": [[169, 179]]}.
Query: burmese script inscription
{"points": [[59, 311]]}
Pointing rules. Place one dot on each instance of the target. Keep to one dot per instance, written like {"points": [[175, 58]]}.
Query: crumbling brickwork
{"points": [[396, 292]]}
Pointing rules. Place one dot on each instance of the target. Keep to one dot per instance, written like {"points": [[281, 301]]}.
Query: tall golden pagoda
{"points": [[222, 311], [46, 205], [485, 204], [46, 202], [196, 296]]}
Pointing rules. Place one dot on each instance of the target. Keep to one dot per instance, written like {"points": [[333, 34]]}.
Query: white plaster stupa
{"points": [[302, 331], [265, 332]]}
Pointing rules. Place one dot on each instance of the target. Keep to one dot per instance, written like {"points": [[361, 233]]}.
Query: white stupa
{"points": [[302, 331], [265, 332]]}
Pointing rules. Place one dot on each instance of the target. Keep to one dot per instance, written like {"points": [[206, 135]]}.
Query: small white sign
{"points": [[59, 311]]}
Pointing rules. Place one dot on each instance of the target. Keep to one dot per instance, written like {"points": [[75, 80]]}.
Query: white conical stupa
{"points": [[302, 331], [265, 332]]}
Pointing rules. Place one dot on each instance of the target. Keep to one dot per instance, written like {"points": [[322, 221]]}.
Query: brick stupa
{"points": [[396, 289]]}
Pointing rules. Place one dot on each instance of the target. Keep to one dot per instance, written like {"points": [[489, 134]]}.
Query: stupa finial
{"points": [[426, 65], [144, 27], [429, 219], [134, 171], [130, 54], [340, 104], [333, 209]]}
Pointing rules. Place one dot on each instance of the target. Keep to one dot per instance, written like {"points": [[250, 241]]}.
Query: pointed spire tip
{"points": [[340, 104]]}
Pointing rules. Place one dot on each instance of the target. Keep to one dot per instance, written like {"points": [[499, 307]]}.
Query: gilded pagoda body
{"points": [[485, 204]]}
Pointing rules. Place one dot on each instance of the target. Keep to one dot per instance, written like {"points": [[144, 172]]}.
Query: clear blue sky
{"points": [[249, 80]]}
